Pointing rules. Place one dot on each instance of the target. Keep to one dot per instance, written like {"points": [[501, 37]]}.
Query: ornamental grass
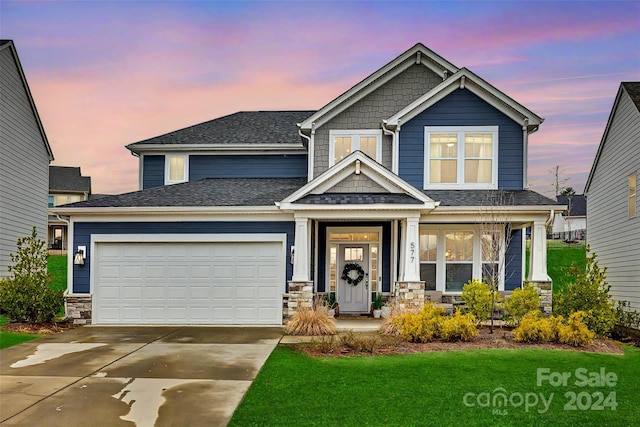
{"points": [[311, 321]]}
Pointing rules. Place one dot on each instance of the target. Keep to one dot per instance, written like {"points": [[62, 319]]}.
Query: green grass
{"points": [[429, 388], [57, 268], [7, 339], [561, 256]]}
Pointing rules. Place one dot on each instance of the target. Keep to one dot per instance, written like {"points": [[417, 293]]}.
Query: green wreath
{"points": [[346, 274]]}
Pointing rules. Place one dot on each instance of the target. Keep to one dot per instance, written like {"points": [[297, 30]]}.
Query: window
{"points": [[464, 157], [450, 256], [632, 195], [63, 199], [345, 142], [176, 169]]}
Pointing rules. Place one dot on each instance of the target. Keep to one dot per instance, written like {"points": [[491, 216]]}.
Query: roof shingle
{"points": [[67, 178]]}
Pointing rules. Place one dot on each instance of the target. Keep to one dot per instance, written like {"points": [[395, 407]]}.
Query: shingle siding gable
{"points": [[462, 108], [369, 112]]}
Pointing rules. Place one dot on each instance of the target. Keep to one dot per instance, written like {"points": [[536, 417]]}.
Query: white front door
{"points": [[353, 291]]}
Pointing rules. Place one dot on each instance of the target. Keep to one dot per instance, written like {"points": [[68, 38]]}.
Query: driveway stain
{"points": [[46, 352]]}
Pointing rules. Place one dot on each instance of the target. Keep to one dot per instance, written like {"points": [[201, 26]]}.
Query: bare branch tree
{"points": [[558, 182], [495, 229]]}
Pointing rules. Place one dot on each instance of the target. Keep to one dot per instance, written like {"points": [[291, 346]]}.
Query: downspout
{"points": [[69, 263], [394, 145], [525, 153], [310, 152]]}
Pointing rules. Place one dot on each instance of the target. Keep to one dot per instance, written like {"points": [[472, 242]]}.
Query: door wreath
{"points": [[348, 277]]}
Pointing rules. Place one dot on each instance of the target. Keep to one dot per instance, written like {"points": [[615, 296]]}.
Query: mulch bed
{"points": [[38, 328], [501, 338]]}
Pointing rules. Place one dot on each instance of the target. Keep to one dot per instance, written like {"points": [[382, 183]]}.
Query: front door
{"points": [[353, 281]]}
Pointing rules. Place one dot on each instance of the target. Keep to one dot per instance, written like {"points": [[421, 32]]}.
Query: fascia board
{"points": [[164, 210], [159, 148], [366, 86]]}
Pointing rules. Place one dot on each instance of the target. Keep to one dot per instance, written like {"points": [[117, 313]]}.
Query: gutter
{"points": [[394, 145]]}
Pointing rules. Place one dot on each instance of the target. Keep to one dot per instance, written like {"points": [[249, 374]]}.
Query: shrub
{"points": [[521, 301], [460, 327], [477, 297], [626, 317], [423, 326], [589, 292], [27, 296], [390, 324], [533, 328], [575, 332], [313, 320]]}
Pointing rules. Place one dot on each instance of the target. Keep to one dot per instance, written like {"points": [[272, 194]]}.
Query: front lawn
{"points": [[432, 388], [7, 339], [560, 256], [57, 268]]}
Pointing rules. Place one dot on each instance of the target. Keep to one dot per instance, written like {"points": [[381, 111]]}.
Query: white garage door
{"points": [[188, 283]]}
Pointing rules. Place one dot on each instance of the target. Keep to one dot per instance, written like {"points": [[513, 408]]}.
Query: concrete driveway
{"points": [[132, 376]]}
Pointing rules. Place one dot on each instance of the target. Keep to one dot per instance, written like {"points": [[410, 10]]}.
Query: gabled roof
{"points": [[258, 128], [355, 163], [68, 179], [577, 207], [466, 79], [418, 54], [209, 192], [632, 90], [8, 44]]}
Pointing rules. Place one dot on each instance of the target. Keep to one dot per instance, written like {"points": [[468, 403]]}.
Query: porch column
{"points": [[301, 255], [411, 252], [538, 253]]}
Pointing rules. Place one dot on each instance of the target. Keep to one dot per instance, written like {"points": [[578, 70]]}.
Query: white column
{"points": [[538, 253], [301, 256], [411, 254]]}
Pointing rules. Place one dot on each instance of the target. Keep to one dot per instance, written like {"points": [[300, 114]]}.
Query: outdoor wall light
{"points": [[80, 255]]}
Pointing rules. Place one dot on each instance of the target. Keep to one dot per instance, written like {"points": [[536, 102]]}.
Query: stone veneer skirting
{"points": [[78, 308], [300, 294], [409, 294], [546, 296]]}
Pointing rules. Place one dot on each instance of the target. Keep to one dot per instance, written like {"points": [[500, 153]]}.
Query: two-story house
{"points": [[66, 185], [394, 187], [25, 155]]}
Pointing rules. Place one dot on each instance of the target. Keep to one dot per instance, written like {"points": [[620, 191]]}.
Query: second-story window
{"points": [[344, 142], [176, 169], [461, 157]]}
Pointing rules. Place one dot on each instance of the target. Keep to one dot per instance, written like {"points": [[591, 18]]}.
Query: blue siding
{"points": [[248, 166], [153, 171], [386, 250], [513, 260], [462, 108], [84, 230]]}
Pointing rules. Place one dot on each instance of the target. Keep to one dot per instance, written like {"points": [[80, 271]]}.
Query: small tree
{"points": [[27, 296], [569, 192], [589, 292]]}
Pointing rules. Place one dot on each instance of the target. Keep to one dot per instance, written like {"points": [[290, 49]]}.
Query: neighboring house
{"points": [[383, 190], [66, 185], [24, 159], [612, 201], [571, 224]]}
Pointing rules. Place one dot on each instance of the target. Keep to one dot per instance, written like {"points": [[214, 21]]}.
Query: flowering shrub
{"points": [[521, 301], [460, 327], [423, 326], [575, 332]]}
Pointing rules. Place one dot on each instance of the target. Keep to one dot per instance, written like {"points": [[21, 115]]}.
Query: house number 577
{"points": [[413, 251]]}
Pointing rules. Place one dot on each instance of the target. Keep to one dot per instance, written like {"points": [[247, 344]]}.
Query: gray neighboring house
{"points": [[571, 224], [66, 185], [612, 202], [25, 155]]}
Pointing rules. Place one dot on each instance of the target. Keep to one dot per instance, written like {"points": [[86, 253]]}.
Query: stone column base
{"points": [[300, 295], [409, 294], [77, 308], [545, 290]]}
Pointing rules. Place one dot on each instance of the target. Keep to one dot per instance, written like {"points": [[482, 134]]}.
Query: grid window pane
{"points": [[176, 168], [444, 146], [477, 171], [478, 145], [342, 147], [443, 171], [368, 145], [457, 275], [459, 246], [428, 249], [428, 275]]}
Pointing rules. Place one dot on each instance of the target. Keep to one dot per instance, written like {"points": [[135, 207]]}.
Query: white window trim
{"points": [[634, 195], [167, 164], [441, 262], [460, 184], [355, 134]]}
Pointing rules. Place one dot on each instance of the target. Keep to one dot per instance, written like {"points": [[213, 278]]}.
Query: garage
{"points": [[188, 282]]}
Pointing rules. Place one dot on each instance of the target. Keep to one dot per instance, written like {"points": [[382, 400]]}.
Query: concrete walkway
{"points": [[132, 376]]}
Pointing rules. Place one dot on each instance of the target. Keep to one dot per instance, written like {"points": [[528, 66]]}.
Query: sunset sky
{"points": [[106, 74]]}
